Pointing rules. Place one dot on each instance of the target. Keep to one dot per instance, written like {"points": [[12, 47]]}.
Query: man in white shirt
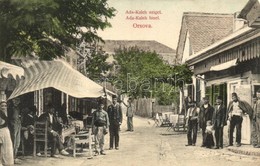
{"points": [[236, 109]]}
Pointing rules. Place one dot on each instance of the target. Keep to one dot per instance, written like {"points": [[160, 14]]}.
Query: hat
{"points": [[206, 98], [114, 96], [234, 94], [219, 98], [254, 96]]}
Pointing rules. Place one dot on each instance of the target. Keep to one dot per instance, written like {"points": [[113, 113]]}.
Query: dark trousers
{"points": [[236, 121], [55, 142], [114, 135], [219, 136], [203, 128], [192, 131]]}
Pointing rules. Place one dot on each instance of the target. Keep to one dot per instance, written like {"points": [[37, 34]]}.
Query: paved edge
{"points": [[245, 151]]}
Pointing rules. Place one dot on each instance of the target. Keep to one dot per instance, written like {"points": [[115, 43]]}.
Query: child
{"points": [[209, 142]]}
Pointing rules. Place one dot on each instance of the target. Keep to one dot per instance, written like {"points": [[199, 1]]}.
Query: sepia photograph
{"points": [[129, 82]]}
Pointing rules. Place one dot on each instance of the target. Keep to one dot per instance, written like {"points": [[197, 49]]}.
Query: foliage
{"points": [[144, 74], [47, 27], [97, 66]]}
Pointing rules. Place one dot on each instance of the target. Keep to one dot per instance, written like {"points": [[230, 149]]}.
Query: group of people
{"points": [[212, 120], [13, 121], [111, 119]]}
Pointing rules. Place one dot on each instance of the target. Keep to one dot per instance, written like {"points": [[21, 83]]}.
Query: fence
{"points": [[148, 107]]}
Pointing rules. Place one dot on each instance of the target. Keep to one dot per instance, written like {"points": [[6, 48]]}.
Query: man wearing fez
{"points": [[192, 123], [256, 119], [53, 130], [236, 109], [100, 124], [206, 114], [115, 120], [6, 147], [219, 121]]}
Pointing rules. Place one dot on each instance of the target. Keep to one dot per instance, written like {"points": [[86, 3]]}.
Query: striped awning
{"points": [[59, 75], [9, 69]]}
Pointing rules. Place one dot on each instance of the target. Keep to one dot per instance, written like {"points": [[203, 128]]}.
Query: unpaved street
{"points": [[149, 145]]}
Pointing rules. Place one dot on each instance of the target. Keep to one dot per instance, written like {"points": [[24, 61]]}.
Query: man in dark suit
{"points": [[206, 114], [219, 121], [115, 120], [53, 128]]}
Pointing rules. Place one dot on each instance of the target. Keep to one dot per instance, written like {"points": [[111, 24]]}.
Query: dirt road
{"points": [[153, 146]]}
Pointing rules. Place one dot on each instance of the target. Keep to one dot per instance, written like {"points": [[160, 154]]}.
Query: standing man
{"points": [[219, 121], [14, 116], [206, 114], [6, 147], [100, 124], [256, 120], [192, 120], [115, 120], [54, 128], [235, 111], [129, 115]]}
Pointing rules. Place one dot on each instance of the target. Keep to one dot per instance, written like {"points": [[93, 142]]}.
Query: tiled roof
{"points": [[204, 29], [146, 45]]}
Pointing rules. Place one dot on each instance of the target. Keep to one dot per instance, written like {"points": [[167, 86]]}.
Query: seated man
{"points": [[53, 128], [28, 120]]}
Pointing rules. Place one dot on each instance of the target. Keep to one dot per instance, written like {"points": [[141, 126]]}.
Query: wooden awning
{"points": [[224, 66]]}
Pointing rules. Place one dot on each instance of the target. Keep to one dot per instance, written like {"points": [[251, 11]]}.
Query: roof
{"points": [[204, 29], [201, 55], [146, 45], [251, 13]]}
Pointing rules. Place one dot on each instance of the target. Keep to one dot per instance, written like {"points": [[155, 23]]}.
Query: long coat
{"points": [[219, 116], [205, 115], [243, 105], [115, 114]]}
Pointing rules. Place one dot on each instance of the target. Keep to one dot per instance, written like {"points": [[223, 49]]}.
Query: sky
{"points": [[159, 20]]}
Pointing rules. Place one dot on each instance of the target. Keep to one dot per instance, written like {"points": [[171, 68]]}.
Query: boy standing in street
{"points": [[129, 114]]}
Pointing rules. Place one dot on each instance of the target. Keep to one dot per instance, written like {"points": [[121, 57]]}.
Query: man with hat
{"points": [[115, 120], [100, 124], [219, 121], [206, 114], [256, 119], [54, 127], [6, 147], [192, 123], [236, 109]]}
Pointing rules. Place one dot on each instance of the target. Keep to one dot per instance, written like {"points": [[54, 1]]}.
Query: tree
{"points": [[144, 74], [47, 28], [140, 72]]}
